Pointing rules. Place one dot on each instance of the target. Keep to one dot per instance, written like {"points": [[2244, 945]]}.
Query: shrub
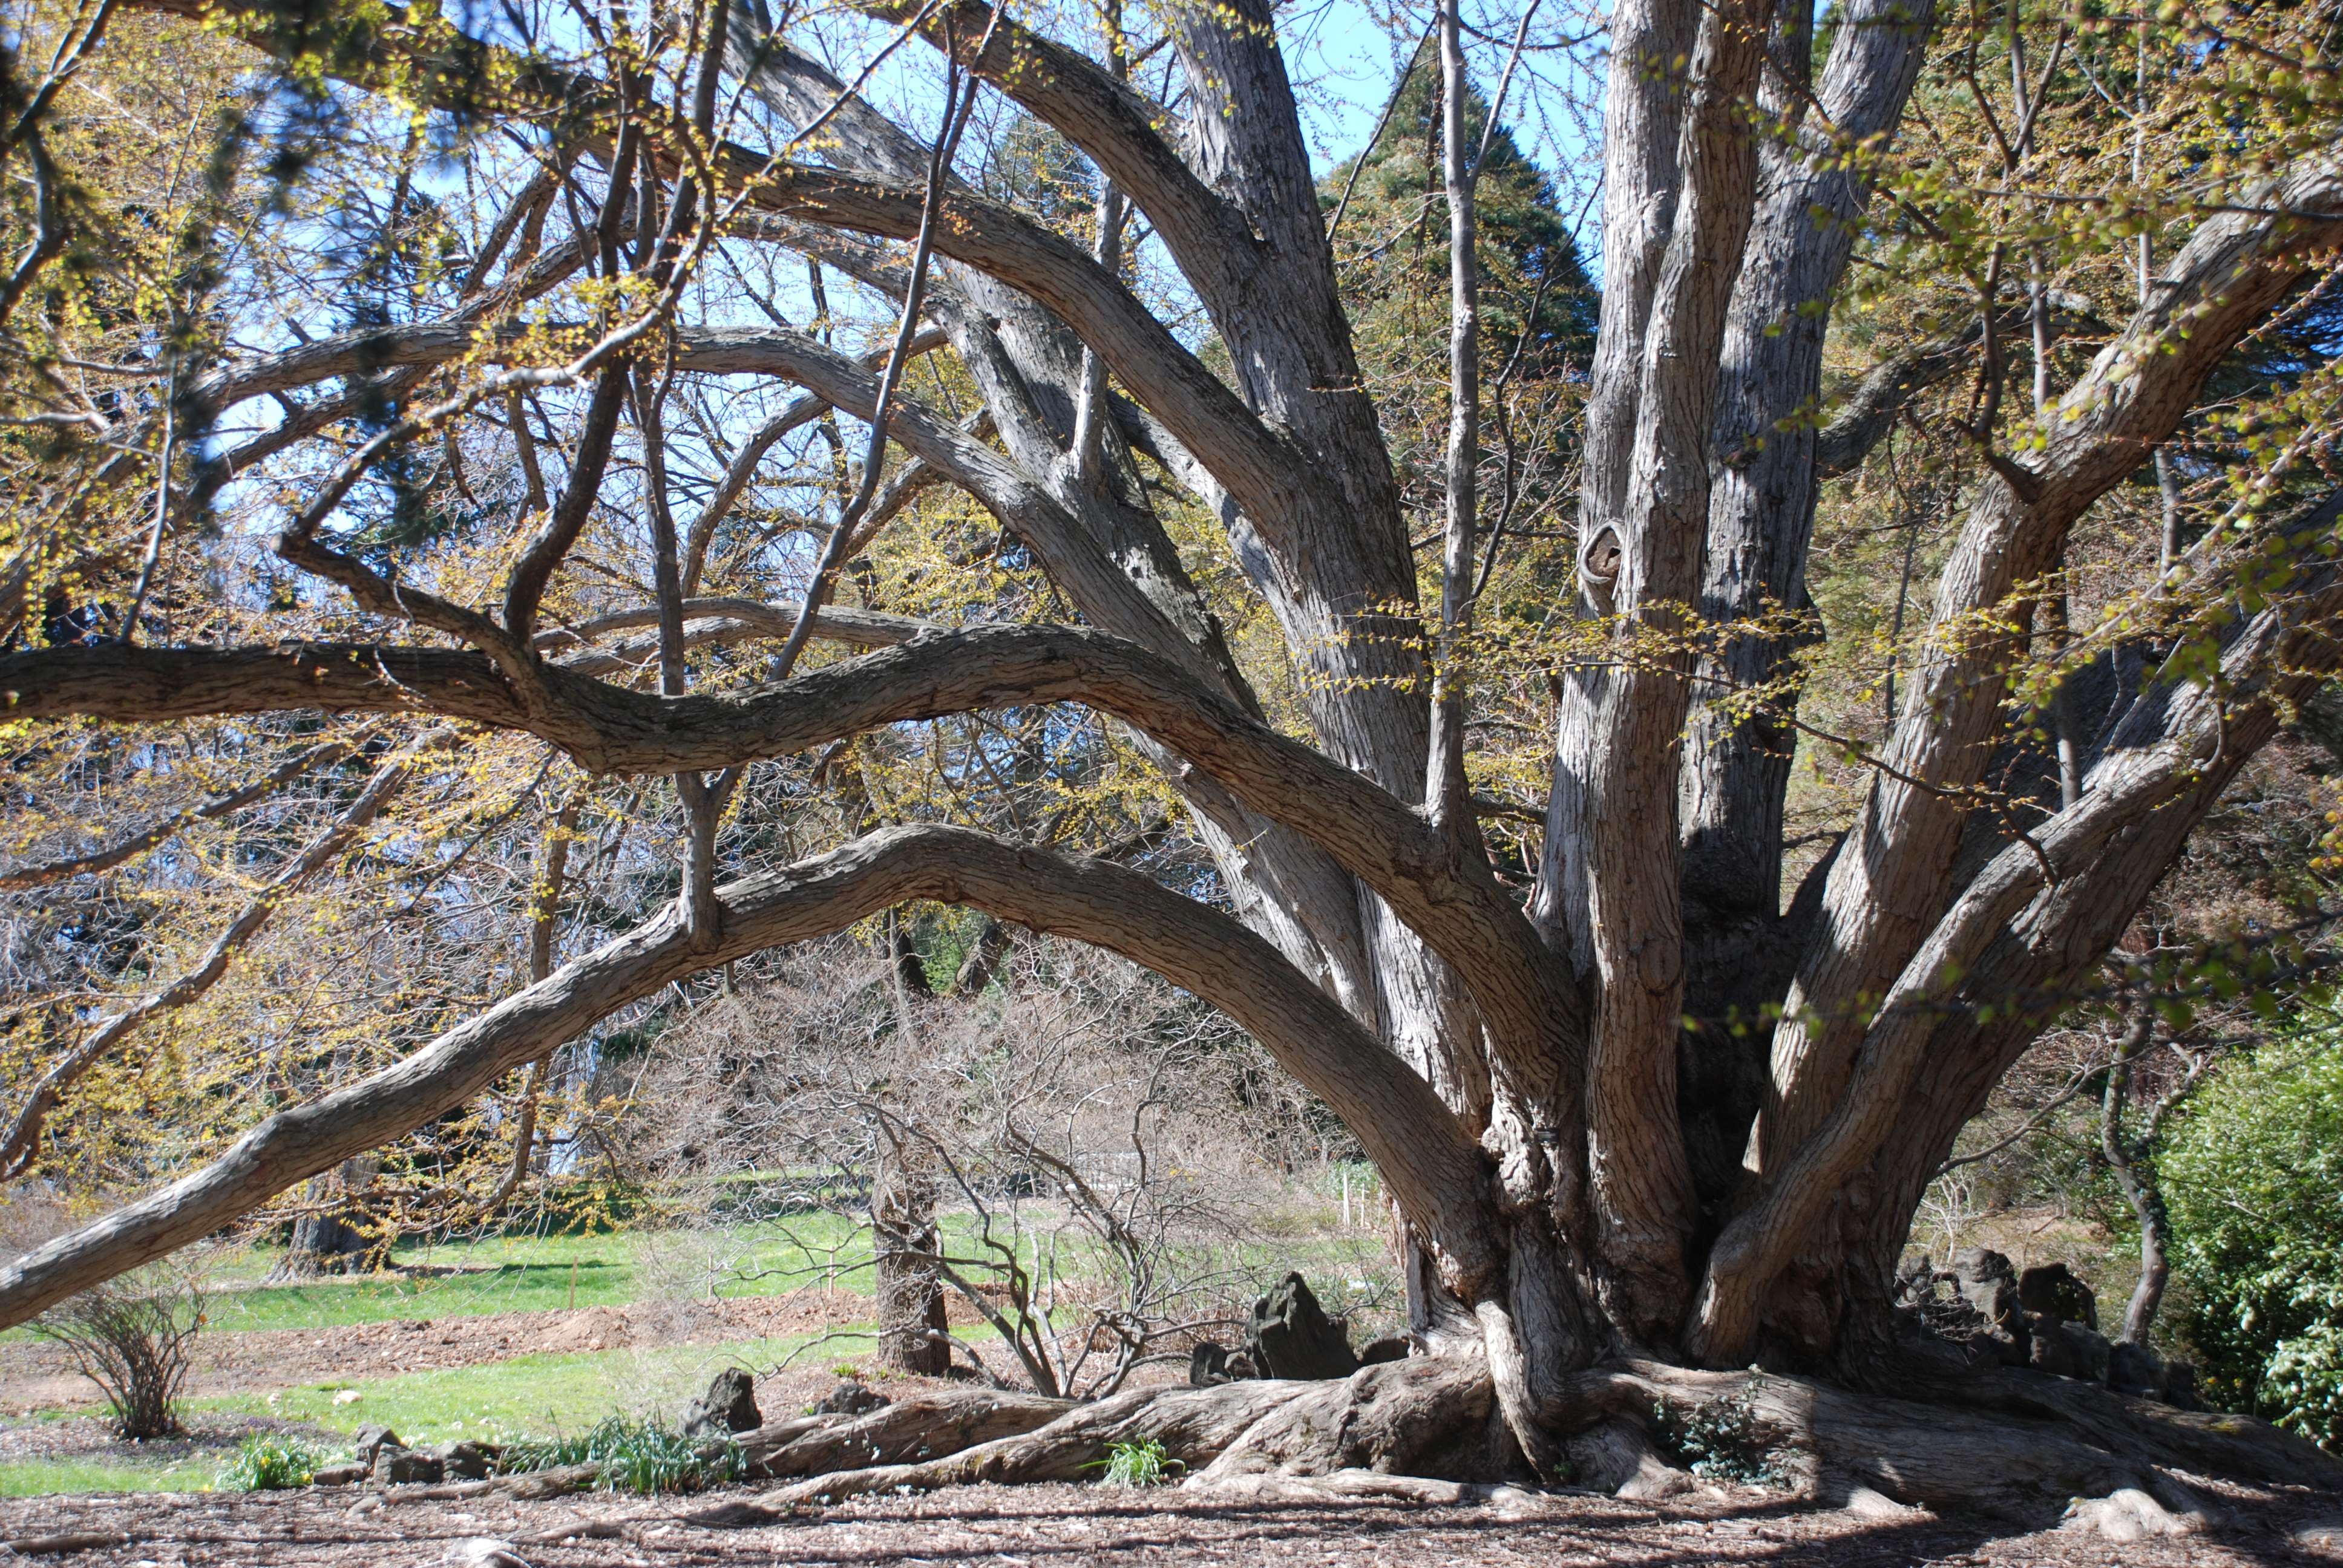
{"points": [[268, 1462], [2250, 1174], [643, 1456], [135, 1337], [1718, 1439]]}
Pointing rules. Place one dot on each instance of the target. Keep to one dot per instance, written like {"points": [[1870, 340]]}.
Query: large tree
{"points": [[1601, 1142]]}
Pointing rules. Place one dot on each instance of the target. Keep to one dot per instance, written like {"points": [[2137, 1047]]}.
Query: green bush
{"points": [[268, 1462], [634, 1457], [1719, 1439], [2251, 1176]]}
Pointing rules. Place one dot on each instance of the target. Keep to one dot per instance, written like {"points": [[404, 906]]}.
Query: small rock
{"points": [[2135, 1369], [1989, 1285], [1292, 1337], [461, 1462], [729, 1405], [850, 1399], [1973, 1265], [401, 1467], [1390, 1348], [372, 1440], [1208, 1365], [2053, 1292], [2091, 1350], [2050, 1351]]}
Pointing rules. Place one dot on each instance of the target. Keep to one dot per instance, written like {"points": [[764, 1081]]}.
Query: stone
{"points": [[1207, 1365], [729, 1405], [850, 1399], [1984, 1280], [2091, 1350], [1390, 1348], [461, 1462], [2135, 1369], [2050, 1351], [2053, 1292], [401, 1467], [1292, 1337], [373, 1440], [1972, 1264]]}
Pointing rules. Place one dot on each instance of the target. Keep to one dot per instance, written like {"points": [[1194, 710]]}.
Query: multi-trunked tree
{"points": [[1537, 1078]]}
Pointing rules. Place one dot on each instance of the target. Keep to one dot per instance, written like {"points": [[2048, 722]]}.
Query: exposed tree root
{"points": [[1429, 1428]]}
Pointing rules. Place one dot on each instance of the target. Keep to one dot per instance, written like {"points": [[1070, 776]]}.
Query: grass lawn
{"points": [[543, 1274], [44, 1477], [534, 1395]]}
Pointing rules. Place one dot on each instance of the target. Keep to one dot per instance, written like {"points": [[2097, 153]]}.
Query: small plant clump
{"points": [[1718, 1439], [1140, 1464], [635, 1456], [268, 1461]]}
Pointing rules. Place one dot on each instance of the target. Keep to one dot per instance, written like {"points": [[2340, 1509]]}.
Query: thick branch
{"points": [[1430, 1161], [1894, 875], [2172, 753], [1532, 1006]]}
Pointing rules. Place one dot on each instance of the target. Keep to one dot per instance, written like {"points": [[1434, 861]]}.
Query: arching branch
{"points": [[1430, 1161], [1533, 1009], [2171, 756]]}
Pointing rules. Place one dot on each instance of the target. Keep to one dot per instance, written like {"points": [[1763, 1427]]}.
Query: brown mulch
{"points": [[1076, 1526]]}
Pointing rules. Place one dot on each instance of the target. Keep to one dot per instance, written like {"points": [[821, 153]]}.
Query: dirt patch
{"points": [[1079, 1525], [35, 1376]]}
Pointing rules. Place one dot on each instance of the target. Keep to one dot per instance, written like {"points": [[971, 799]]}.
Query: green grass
{"points": [[44, 1477], [528, 1395], [534, 1273]]}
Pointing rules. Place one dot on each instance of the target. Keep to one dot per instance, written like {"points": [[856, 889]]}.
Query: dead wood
{"points": [[50, 1546], [910, 1430]]}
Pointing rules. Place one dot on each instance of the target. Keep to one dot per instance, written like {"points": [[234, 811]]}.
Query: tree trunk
{"points": [[911, 1296], [905, 1246], [344, 1239]]}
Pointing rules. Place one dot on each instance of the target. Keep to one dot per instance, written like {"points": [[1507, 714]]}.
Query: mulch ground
{"points": [[1078, 1526]]}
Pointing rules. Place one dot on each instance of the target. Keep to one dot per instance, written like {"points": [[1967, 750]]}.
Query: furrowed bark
{"points": [[1622, 726], [1430, 1161], [1893, 875], [1457, 905], [1765, 479]]}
